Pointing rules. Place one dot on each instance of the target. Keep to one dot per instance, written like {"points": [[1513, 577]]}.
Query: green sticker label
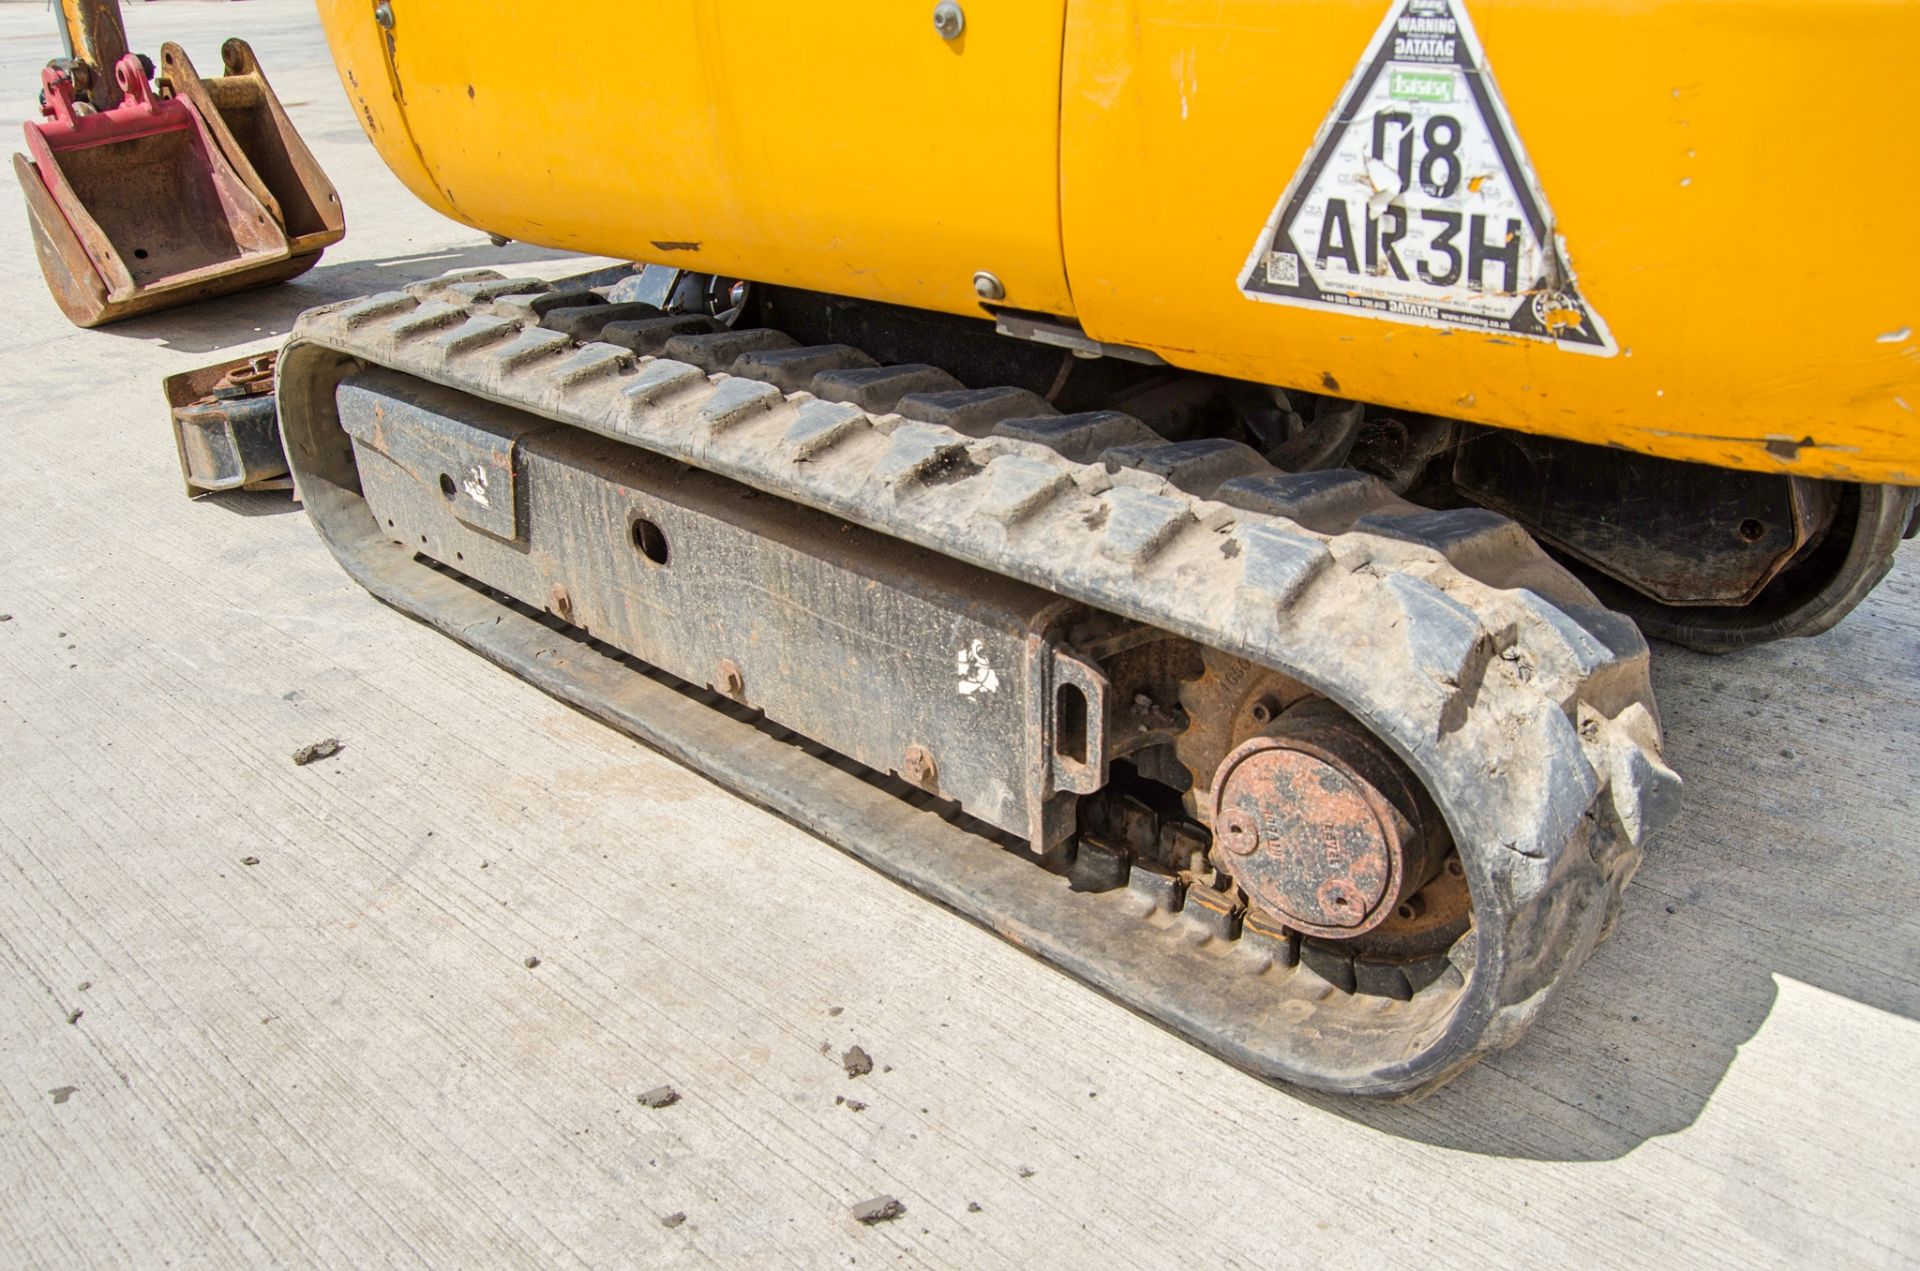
{"points": [[1421, 86]]}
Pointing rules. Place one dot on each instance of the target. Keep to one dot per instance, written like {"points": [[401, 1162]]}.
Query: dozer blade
{"points": [[138, 208], [930, 631], [225, 426]]}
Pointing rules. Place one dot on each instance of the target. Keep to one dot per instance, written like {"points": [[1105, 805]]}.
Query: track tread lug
{"points": [[818, 426], [716, 351], [1278, 563], [649, 337], [974, 411], [545, 301], [1644, 790], [1326, 501], [429, 288], [657, 380], [589, 362], [879, 389], [1140, 525], [530, 346], [1447, 639], [432, 315], [1480, 543], [793, 369], [1197, 467], [1551, 741], [1080, 437], [1589, 641], [481, 290], [1212, 913], [1163, 892], [1280, 944], [1382, 979], [735, 400], [1426, 971], [1097, 867], [1017, 487], [1335, 966], [1646, 793], [363, 313], [584, 322], [478, 331], [913, 452]]}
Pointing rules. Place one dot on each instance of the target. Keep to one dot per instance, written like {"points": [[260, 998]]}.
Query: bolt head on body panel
{"points": [[920, 770]]}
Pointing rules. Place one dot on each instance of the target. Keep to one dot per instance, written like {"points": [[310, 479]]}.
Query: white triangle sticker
{"points": [[1417, 204]]}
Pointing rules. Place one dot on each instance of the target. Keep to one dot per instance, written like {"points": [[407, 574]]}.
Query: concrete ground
{"points": [[338, 1055]]}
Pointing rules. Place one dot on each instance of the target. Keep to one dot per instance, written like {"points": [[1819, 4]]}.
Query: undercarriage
{"points": [[1162, 677]]}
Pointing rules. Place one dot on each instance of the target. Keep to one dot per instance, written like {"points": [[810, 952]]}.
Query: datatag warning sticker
{"points": [[1417, 204]]}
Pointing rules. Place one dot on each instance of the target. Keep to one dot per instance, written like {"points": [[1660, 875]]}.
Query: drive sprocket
{"points": [[1231, 700]]}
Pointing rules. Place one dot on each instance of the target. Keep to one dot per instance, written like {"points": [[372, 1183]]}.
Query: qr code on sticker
{"points": [[1283, 269]]}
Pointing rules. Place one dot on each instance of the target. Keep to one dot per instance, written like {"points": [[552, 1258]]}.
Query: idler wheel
{"points": [[1322, 825]]}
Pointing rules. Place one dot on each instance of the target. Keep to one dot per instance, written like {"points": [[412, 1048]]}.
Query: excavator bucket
{"points": [[245, 117], [155, 195], [137, 208]]}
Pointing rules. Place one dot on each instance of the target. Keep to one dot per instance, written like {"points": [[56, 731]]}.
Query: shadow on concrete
{"points": [[251, 503], [1763, 875]]}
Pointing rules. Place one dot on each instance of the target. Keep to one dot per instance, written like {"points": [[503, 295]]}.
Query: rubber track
{"points": [[1525, 709]]}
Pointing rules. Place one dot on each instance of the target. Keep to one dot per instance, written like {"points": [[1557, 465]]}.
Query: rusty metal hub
{"points": [[1323, 826], [1230, 701]]}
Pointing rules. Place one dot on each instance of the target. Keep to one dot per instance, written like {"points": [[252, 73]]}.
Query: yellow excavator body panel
{"points": [[1676, 227], [864, 156]]}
